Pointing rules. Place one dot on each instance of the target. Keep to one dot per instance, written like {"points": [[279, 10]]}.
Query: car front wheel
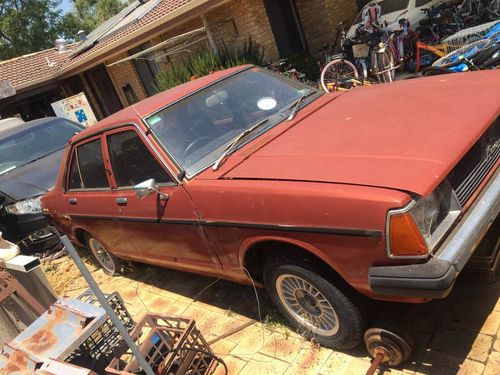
{"points": [[110, 264], [314, 305]]}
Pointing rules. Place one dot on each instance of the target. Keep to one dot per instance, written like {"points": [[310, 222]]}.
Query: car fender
{"points": [[250, 242]]}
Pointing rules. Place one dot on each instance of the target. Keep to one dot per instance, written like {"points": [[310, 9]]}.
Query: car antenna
{"points": [[148, 129]]}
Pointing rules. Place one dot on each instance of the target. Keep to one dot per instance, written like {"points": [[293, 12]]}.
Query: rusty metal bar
{"points": [[105, 305], [375, 364]]}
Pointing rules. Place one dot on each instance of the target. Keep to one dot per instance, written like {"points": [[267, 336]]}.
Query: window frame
{"points": [[72, 154], [143, 138]]}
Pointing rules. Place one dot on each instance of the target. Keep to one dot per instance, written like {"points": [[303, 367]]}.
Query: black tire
{"points": [[110, 264], [485, 55], [492, 63], [435, 71], [348, 330]]}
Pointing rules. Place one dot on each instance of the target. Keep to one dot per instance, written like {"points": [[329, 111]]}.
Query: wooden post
{"points": [[210, 37]]}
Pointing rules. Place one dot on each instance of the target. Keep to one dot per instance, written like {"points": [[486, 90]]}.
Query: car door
{"points": [[163, 228], [88, 197]]}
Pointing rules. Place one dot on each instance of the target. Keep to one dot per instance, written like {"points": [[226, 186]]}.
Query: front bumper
{"points": [[435, 278], [31, 232]]}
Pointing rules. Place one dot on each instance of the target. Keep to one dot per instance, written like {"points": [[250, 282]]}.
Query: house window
{"points": [[130, 94], [147, 69]]}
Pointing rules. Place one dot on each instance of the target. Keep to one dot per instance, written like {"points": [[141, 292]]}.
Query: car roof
{"points": [[152, 104], [9, 123], [11, 130]]}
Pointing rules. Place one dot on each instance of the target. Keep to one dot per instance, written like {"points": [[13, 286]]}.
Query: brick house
{"points": [[101, 65]]}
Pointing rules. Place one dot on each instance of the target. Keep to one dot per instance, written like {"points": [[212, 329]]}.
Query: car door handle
{"points": [[72, 200], [121, 201]]}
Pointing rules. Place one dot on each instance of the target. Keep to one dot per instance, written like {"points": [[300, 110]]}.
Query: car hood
{"points": [[32, 179], [405, 135]]}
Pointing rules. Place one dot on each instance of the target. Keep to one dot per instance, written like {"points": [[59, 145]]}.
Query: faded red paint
{"points": [[342, 162]]}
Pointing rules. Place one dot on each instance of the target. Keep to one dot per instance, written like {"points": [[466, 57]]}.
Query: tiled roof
{"points": [[162, 9], [46, 64], [22, 70]]}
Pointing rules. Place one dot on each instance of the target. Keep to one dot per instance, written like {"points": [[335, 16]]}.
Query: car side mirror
{"points": [[145, 188]]}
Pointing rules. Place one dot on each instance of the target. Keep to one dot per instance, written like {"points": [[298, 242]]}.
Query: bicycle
{"points": [[478, 55], [353, 62]]}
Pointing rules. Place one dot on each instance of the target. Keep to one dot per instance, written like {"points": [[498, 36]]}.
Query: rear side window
{"points": [[87, 167], [132, 161]]}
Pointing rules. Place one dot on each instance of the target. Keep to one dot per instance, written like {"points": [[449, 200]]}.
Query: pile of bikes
{"points": [[439, 39]]}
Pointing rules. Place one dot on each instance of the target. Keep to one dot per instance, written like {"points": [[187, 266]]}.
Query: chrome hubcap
{"points": [[102, 255], [307, 305]]}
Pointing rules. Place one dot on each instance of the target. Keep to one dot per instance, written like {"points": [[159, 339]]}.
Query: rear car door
{"points": [[88, 201], [164, 231]]}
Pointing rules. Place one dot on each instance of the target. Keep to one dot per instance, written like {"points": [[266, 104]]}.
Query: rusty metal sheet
{"points": [[16, 364], [58, 332]]}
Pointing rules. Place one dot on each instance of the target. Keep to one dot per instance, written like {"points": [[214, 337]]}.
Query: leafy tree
{"points": [[86, 15], [27, 26]]}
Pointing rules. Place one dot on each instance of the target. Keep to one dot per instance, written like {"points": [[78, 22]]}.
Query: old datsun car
{"points": [[383, 191]]}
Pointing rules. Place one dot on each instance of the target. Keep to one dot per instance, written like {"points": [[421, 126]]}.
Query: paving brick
{"points": [[337, 363], [222, 347], [262, 364], [234, 366], [463, 343], [496, 344], [493, 364], [308, 361], [196, 313], [481, 319], [437, 363], [481, 348], [282, 347], [250, 341]]}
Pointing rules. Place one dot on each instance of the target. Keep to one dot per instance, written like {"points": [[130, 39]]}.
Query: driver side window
{"points": [[132, 161]]}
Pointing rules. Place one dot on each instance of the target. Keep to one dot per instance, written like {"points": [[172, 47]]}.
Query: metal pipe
{"points": [[106, 306], [375, 364]]}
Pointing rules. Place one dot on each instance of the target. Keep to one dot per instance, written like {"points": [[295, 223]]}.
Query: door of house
{"points": [[147, 69], [286, 26], [103, 90]]}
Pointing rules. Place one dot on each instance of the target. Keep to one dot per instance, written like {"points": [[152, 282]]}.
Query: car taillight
{"points": [[404, 237]]}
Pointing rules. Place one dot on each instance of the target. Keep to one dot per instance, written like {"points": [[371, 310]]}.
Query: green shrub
{"points": [[203, 62]]}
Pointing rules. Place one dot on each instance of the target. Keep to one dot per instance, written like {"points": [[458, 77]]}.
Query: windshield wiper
{"points": [[235, 141], [295, 105]]}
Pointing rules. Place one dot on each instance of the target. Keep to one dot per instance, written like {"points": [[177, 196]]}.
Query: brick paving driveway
{"points": [[457, 335]]}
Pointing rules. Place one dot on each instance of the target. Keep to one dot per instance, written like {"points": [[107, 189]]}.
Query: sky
{"points": [[66, 5]]}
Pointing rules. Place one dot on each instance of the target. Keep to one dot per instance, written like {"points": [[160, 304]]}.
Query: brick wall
{"points": [[123, 74], [234, 22], [320, 19]]}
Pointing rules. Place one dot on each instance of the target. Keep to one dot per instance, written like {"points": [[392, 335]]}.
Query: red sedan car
{"points": [[383, 191]]}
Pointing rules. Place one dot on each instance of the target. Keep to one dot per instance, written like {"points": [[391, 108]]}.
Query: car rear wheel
{"points": [[315, 306], [110, 264]]}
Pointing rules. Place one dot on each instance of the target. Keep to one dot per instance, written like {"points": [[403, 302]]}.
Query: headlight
{"points": [[27, 206], [415, 230]]}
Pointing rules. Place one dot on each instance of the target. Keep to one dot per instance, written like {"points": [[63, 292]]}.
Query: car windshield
{"points": [[196, 130], [31, 143]]}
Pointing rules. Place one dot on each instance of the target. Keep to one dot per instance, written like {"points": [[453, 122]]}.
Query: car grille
{"points": [[471, 170]]}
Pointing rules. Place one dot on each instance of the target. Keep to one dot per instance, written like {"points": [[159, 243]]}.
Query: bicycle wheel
{"points": [[468, 51], [383, 65], [338, 73]]}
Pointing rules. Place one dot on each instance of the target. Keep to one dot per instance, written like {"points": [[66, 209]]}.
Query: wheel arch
{"points": [[256, 251]]}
